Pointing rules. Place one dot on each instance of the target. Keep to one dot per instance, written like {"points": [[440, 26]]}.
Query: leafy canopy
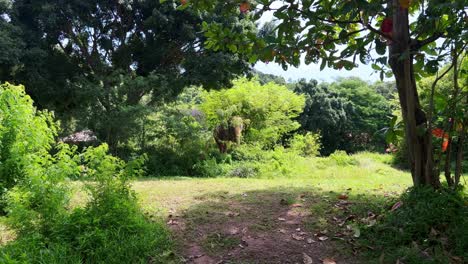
{"points": [[268, 110], [338, 34]]}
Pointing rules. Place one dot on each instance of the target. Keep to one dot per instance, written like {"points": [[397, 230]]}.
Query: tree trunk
{"points": [[460, 144], [417, 137]]}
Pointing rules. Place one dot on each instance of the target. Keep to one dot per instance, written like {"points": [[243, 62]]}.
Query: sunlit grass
{"points": [[371, 175]]}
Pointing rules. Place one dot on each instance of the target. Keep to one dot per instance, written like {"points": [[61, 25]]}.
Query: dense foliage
{"points": [[24, 134], [180, 137], [429, 227], [98, 64], [109, 228], [347, 113], [268, 111], [412, 38]]}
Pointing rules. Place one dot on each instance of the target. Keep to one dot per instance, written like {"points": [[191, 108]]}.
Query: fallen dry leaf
{"points": [[234, 231], [310, 241], [281, 219], [297, 237], [172, 222], [231, 214], [296, 205], [343, 196], [307, 259], [328, 261], [323, 238]]}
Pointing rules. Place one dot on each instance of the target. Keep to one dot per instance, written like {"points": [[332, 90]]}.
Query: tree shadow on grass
{"points": [[278, 225]]}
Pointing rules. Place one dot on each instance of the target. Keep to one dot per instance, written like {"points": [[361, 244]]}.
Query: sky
{"points": [[312, 71]]}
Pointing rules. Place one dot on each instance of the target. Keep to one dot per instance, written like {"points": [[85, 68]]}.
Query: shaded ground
{"points": [[268, 226]]}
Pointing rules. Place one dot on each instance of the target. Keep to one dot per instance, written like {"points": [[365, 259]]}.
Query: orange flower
{"points": [[445, 144]]}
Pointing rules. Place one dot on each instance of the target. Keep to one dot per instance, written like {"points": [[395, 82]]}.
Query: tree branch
{"points": [[378, 32], [421, 43]]}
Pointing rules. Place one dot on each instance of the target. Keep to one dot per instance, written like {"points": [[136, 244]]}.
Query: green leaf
{"points": [[380, 47], [431, 66], [324, 63], [376, 67], [253, 58]]}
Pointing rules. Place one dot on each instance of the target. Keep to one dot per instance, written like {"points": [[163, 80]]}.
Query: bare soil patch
{"points": [[254, 227]]}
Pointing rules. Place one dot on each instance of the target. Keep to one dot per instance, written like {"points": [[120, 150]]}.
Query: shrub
{"points": [[431, 221], [24, 134], [341, 158], [110, 229], [307, 145], [244, 171], [176, 139]]}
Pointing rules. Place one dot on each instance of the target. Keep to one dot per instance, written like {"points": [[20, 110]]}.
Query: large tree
{"points": [[101, 59], [348, 113], [410, 37]]}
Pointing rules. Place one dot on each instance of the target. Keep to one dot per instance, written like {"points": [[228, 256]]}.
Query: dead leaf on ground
{"points": [[328, 261], [281, 219], [307, 259], [297, 237], [310, 241], [296, 205], [323, 238], [231, 214], [343, 196], [172, 222], [234, 231]]}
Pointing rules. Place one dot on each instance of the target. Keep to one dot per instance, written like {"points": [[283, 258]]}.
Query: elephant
{"points": [[231, 133]]}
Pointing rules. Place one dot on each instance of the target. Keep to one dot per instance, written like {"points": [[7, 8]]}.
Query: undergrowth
{"points": [[110, 228], [429, 227]]}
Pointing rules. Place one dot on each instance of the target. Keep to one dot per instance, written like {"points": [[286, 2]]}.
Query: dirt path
{"points": [[255, 227]]}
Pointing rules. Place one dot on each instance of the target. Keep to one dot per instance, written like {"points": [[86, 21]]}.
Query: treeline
{"points": [[306, 118]]}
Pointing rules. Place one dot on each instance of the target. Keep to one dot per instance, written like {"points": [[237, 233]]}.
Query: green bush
{"points": [[251, 160], [341, 158], [24, 133], [307, 145], [435, 222], [111, 228]]}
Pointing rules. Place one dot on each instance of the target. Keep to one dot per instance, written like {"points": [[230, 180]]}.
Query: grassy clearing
{"points": [[210, 208], [271, 218], [370, 176]]}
